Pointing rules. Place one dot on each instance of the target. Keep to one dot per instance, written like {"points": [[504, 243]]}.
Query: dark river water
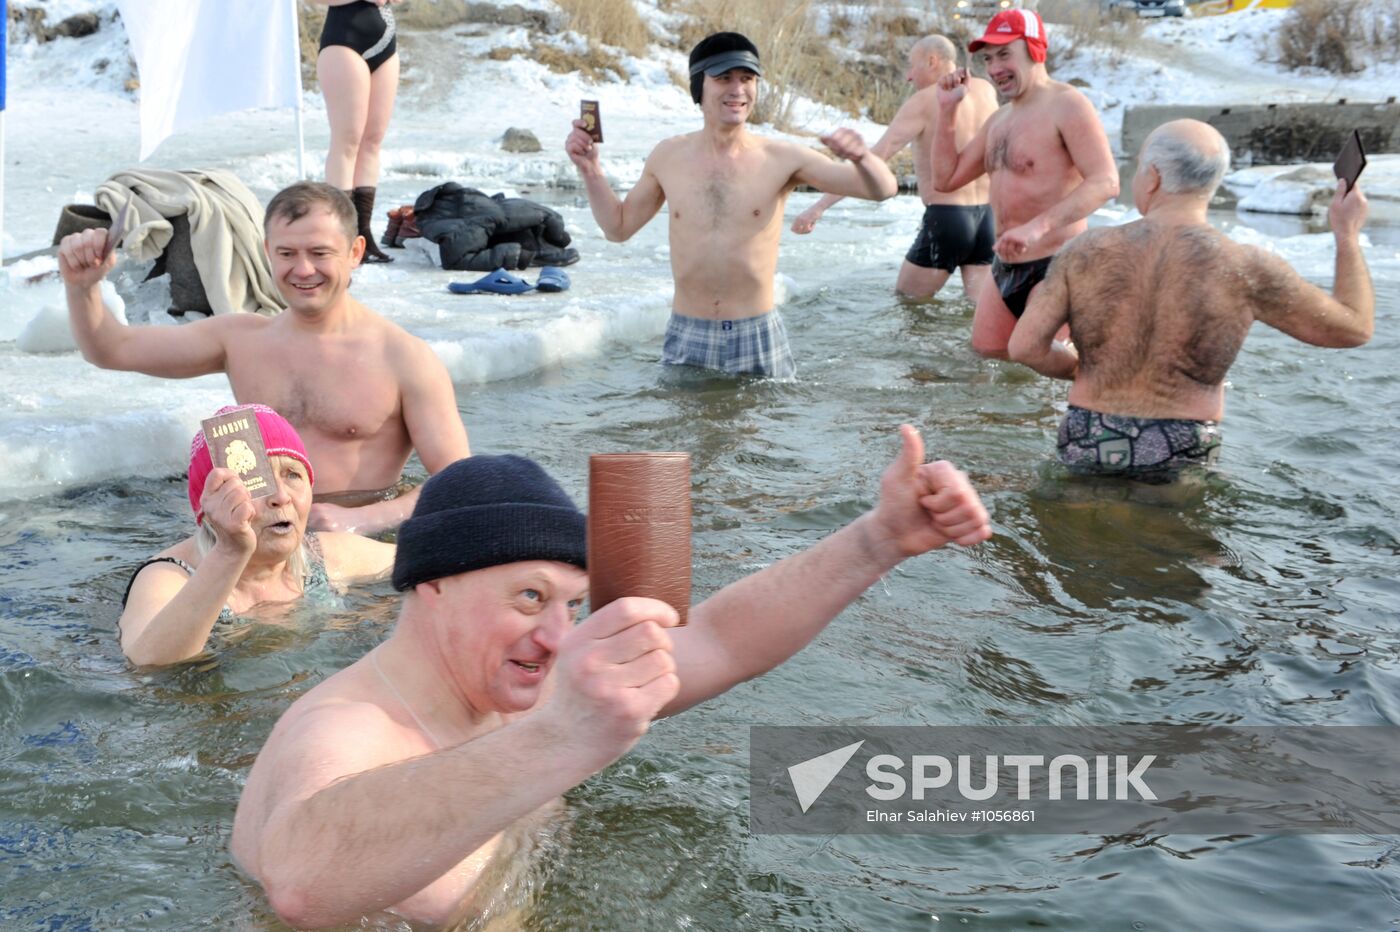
{"points": [[1266, 595]]}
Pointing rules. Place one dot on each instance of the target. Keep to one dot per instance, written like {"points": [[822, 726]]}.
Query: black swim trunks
{"points": [[1016, 279], [364, 27], [953, 235]]}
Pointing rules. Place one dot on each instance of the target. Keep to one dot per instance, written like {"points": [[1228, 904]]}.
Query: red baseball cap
{"points": [[1008, 26]]}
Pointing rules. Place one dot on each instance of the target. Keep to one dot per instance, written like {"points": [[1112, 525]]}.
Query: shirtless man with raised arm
{"points": [[1047, 157], [726, 188], [957, 228], [1159, 308], [399, 780], [362, 392]]}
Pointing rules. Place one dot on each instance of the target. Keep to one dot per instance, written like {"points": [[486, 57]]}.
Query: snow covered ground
{"points": [[1209, 60], [72, 123]]}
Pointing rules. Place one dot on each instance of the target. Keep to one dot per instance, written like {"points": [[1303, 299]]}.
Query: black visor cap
{"points": [[720, 62]]}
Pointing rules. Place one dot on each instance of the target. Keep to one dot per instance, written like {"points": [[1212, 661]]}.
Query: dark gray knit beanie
{"points": [[485, 511]]}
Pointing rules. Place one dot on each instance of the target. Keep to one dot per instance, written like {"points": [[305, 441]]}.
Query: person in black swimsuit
{"points": [[358, 68], [244, 552]]}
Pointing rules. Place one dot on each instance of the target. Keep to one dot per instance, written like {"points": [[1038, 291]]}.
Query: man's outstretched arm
{"points": [[902, 130], [953, 168], [1347, 317], [753, 625], [1033, 341], [170, 352], [863, 174], [618, 218], [334, 828]]}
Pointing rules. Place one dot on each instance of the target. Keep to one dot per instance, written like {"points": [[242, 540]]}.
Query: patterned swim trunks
{"points": [[748, 346], [1144, 448]]}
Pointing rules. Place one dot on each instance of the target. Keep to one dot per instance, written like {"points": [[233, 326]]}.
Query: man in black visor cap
{"points": [[726, 189]]}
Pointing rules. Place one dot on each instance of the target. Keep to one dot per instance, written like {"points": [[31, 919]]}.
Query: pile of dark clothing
{"points": [[477, 233]]}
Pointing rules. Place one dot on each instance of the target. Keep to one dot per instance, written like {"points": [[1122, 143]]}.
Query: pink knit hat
{"points": [[279, 436]]}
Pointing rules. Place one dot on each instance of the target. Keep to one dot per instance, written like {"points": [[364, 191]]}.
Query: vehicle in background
{"points": [[981, 11], [1145, 7]]}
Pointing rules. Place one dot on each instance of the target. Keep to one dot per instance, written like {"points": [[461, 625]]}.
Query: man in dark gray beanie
{"points": [[484, 512], [391, 785]]}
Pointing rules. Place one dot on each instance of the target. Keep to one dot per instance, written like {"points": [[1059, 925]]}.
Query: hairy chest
{"points": [[1024, 146], [730, 196]]}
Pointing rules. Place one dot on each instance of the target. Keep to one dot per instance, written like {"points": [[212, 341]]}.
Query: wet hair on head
{"points": [[712, 45], [294, 202]]}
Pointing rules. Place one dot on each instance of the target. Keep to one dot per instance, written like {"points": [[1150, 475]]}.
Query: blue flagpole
{"points": [[4, 41]]}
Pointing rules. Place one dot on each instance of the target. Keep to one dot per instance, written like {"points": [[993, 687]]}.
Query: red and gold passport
{"points": [[235, 442], [592, 119]]}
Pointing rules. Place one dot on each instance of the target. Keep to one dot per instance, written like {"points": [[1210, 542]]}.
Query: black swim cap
{"points": [[717, 53]]}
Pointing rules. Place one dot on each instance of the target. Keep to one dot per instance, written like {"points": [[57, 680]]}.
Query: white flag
{"points": [[200, 58]]}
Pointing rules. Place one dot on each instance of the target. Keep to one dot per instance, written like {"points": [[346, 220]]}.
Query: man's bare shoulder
{"points": [[330, 712], [240, 334], [1070, 100], [1270, 279], [408, 353], [378, 327], [322, 738], [673, 147]]}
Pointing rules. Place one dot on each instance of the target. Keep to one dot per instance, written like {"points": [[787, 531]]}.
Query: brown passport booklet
{"points": [[592, 119], [639, 528], [235, 442]]}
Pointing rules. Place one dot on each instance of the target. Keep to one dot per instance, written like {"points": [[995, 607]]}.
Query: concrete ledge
{"points": [[1273, 134]]}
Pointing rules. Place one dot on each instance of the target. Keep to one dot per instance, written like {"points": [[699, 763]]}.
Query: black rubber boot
{"points": [[364, 211], [391, 232]]}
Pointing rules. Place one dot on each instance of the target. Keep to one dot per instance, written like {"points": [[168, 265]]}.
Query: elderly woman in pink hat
{"points": [[245, 553]]}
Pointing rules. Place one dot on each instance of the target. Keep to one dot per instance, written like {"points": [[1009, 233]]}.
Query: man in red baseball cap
{"points": [[1008, 26], [1048, 159]]}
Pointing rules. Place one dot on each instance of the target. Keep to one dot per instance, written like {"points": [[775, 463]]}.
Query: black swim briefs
{"points": [[364, 27], [1016, 279], [953, 235]]}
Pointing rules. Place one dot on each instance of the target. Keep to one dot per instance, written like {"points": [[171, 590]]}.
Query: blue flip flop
{"points": [[552, 278], [498, 282]]}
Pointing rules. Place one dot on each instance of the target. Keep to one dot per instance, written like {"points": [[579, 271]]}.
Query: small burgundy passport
{"points": [[592, 119], [235, 442]]}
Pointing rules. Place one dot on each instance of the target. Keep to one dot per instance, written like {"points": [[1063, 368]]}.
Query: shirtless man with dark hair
{"points": [[362, 391], [725, 189], [957, 231], [1159, 308], [1048, 159]]}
